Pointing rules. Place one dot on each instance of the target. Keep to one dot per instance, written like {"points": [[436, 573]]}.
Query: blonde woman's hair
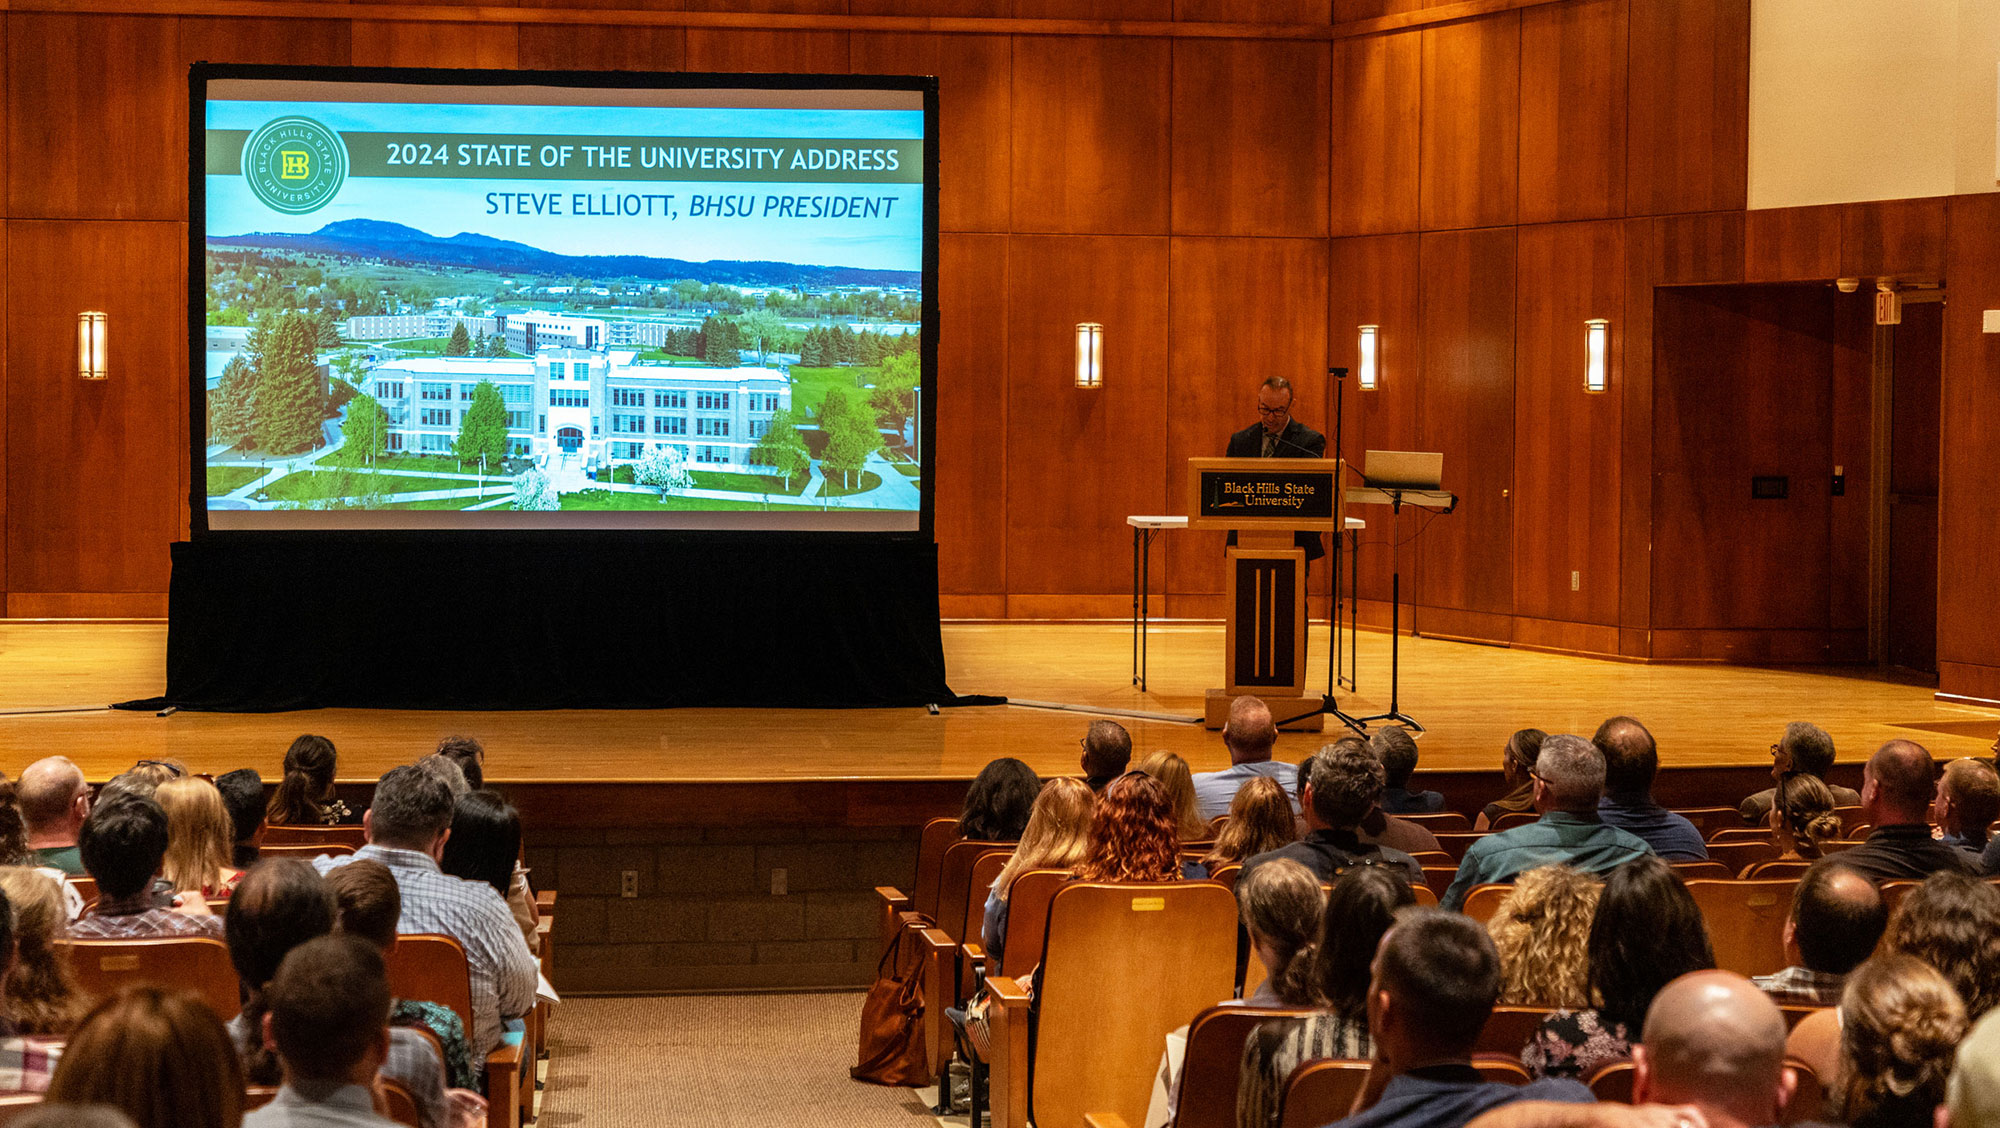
{"points": [[1260, 820], [1901, 1023], [1173, 774], [43, 997], [200, 835], [1058, 830], [1281, 903], [1542, 932]]}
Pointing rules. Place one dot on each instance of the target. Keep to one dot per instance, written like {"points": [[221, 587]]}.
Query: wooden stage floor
{"points": [[1470, 697]]}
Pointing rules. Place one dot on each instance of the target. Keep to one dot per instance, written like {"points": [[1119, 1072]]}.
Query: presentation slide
{"points": [[433, 303]]}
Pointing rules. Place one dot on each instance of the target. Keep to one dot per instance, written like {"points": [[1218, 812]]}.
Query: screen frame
{"points": [[200, 74]]}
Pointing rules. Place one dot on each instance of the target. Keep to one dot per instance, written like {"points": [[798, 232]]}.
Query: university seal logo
{"points": [[294, 164]]}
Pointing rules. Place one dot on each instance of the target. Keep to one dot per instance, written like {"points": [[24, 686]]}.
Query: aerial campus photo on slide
{"points": [[453, 306]]}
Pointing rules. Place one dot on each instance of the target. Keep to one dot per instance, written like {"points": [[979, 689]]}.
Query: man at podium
{"points": [[1278, 435]]}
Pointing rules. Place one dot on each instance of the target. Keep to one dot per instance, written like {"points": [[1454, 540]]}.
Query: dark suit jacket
{"points": [[1296, 441]]}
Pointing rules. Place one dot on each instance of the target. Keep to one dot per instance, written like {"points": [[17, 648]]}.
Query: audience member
{"points": [[1568, 780], [1967, 802], [1804, 820], [304, 797], [1131, 834], [1249, 735], [54, 798], [1542, 931], [448, 773], [1377, 827], [406, 827], [470, 756], [25, 1063], [1896, 790], [485, 845], [367, 904], [1952, 922], [1900, 1023], [1058, 830], [243, 794], [1173, 774], [1397, 749], [200, 837], [140, 780], [158, 1055], [281, 905], [998, 802], [1434, 982], [1803, 748], [1281, 905], [1972, 1094], [1712, 1040], [123, 843], [1260, 820], [1361, 907], [14, 849], [1647, 932], [1836, 919], [1517, 766], [329, 1020], [51, 1115], [41, 991], [1631, 760], [1107, 750], [1342, 787]]}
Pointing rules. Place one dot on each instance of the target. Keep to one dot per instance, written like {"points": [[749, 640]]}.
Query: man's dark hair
{"points": [[7, 928], [1397, 750], [243, 794], [367, 900], [329, 1005], [1646, 933], [1631, 759], [1107, 749], [1442, 971], [1278, 384], [412, 806], [1836, 922], [1810, 747], [122, 842], [280, 904], [1346, 783], [470, 756], [1303, 778]]}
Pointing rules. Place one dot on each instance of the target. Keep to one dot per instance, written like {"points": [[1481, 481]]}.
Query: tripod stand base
{"points": [[1216, 711], [1393, 715]]}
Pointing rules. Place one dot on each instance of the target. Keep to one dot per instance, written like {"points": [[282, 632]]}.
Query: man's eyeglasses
{"points": [[1262, 410]]}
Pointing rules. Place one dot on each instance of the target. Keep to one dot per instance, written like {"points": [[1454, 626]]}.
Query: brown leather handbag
{"points": [[892, 1020]]}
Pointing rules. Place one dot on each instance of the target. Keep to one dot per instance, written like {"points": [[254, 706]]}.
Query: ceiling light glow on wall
{"points": [[90, 345], [1597, 353], [1368, 372], [1089, 354]]}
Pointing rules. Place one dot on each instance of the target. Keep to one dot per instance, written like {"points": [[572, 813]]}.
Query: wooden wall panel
{"points": [[96, 473], [1573, 111], [789, 7], [1688, 137], [316, 42], [1377, 105], [1255, 11], [972, 417], [1465, 408], [1080, 461], [994, 9], [1903, 238], [96, 108], [1090, 135], [1969, 475], [975, 100], [1852, 447], [1791, 244], [1374, 280], [1470, 151], [1345, 11], [383, 43], [1567, 440], [594, 47], [1250, 138], [731, 49], [3, 404], [1240, 310], [1094, 9]]}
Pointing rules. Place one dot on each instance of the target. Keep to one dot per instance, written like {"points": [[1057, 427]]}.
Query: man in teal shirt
{"points": [[1568, 779], [54, 799]]}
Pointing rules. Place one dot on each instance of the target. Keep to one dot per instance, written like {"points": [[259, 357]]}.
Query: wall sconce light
{"points": [[1089, 354], [90, 345], [1596, 353], [1369, 373]]}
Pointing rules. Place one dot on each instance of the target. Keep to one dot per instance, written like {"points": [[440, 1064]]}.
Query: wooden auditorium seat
{"points": [[195, 963], [1484, 900], [86, 887], [1707, 820], [353, 837], [1710, 868], [1211, 1067], [306, 850], [1225, 876], [1788, 868], [1893, 893], [1612, 1082], [1500, 1067], [1323, 1090], [1433, 858], [960, 913], [1439, 878], [1510, 1028], [1850, 817], [16, 1105], [922, 896], [1441, 822], [1126, 964], [1027, 922], [1808, 1096], [1739, 856], [432, 968], [1457, 844], [1512, 819], [1740, 833], [1746, 921], [1796, 1013]]}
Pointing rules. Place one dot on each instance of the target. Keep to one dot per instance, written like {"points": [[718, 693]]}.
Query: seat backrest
{"points": [[1426, 896], [1432, 858], [1710, 868], [1500, 1067], [1807, 1096], [257, 1096], [1746, 921], [306, 850], [1126, 964], [1893, 893], [1211, 1066], [1322, 1090], [1457, 844], [1439, 878], [431, 968], [1776, 868], [1796, 1012], [1740, 856], [1510, 1028], [1226, 875], [1706, 819], [16, 1105], [1513, 819], [354, 837], [1441, 822], [195, 963], [955, 887], [938, 834], [1613, 1082], [86, 888], [1028, 919], [1850, 817], [1740, 833], [402, 1106], [1484, 901]]}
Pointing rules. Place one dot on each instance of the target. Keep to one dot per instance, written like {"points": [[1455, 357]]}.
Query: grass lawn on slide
{"points": [[867, 480], [300, 487], [809, 386], [648, 503], [224, 479]]}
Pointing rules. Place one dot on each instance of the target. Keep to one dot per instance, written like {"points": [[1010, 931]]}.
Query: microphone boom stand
{"points": [[1328, 707]]}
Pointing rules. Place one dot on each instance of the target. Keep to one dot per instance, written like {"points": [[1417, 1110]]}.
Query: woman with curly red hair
{"points": [[1133, 835]]}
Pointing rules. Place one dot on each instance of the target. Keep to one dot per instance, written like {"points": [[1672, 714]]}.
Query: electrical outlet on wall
{"points": [[1576, 581], [628, 883]]}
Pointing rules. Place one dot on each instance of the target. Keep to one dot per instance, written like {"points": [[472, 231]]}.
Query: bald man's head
{"points": [[1249, 734], [1714, 1039], [1837, 917], [1901, 777], [48, 794]]}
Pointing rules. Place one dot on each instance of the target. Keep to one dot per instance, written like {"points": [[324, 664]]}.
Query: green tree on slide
{"points": [[232, 406], [482, 435], [850, 435], [366, 430], [460, 343], [289, 405], [782, 449]]}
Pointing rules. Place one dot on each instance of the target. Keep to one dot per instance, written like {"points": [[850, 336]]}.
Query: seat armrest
{"points": [[1103, 1120], [503, 1087], [545, 900], [1008, 1022], [896, 900], [940, 962]]}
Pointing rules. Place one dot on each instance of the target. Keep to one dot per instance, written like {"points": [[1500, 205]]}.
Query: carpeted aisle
{"points": [[717, 1061]]}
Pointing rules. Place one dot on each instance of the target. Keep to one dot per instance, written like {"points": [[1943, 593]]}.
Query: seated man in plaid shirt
{"points": [[122, 842], [407, 826], [1837, 916]]}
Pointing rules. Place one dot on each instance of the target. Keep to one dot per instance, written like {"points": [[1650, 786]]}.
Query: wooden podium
{"points": [[1265, 501]]}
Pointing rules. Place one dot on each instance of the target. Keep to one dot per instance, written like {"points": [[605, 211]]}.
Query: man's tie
{"points": [[1270, 444]]}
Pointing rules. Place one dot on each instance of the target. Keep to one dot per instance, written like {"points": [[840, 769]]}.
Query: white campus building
{"points": [[595, 407]]}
